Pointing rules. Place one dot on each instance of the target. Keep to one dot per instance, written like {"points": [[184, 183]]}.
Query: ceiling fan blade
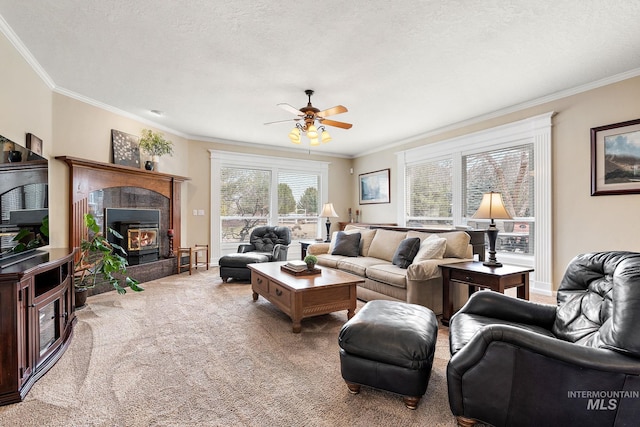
{"points": [[282, 121], [338, 109], [334, 123], [291, 109]]}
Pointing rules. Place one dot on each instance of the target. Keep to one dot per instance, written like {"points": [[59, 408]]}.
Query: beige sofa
{"points": [[420, 283]]}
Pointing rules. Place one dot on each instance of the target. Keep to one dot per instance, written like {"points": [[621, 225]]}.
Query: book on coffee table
{"points": [[296, 265]]}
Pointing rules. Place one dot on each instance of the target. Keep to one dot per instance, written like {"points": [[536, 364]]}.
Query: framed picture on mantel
{"points": [[375, 187], [125, 149], [615, 159]]}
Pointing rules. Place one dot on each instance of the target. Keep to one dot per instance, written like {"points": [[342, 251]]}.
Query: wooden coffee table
{"points": [[304, 296]]}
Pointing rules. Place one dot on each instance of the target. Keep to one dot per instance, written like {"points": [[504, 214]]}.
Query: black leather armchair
{"points": [[518, 363], [271, 241], [266, 244]]}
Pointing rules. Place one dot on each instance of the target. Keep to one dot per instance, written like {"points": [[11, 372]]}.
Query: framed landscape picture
{"points": [[615, 159], [375, 187]]}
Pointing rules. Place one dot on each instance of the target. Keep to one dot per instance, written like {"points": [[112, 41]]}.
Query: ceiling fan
{"points": [[309, 115]]}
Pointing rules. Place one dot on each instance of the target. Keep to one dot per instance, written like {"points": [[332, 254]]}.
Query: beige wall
{"points": [[581, 222]]}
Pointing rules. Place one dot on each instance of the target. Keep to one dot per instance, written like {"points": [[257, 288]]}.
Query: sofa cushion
{"points": [[384, 244], [457, 242], [432, 247], [347, 244], [357, 265], [406, 251], [389, 274], [329, 260]]}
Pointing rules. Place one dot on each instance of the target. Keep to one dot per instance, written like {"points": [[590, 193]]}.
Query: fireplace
{"points": [[140, 240], [140, 231], [151, 190]]}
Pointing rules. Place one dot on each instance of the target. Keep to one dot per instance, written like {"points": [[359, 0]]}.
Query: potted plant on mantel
{"points": [[99, 262], [155, 145]]}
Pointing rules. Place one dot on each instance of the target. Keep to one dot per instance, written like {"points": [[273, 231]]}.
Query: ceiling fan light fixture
{"points": [[312, 132], [325, 137], [306, 118], [294, 135]]}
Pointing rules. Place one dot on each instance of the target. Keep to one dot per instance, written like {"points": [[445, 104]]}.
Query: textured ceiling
{"points": [[217, 69]]}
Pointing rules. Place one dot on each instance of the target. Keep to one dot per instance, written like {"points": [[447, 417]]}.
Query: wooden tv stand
{"points": [[37, 314]]}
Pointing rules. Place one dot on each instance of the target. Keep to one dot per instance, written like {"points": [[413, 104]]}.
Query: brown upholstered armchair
{"points": [[517, 363]]}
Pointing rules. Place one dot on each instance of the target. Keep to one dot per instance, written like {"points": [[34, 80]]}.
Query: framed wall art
{"points": [[615, 159], [34, 144], [375, 187], [125, 149]]}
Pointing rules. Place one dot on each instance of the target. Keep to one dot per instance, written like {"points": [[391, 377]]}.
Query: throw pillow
{"points": [[407, 250], [347, 244], [432, 247]]}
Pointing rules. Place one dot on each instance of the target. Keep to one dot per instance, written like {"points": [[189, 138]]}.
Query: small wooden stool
{"points": [[193, 257], [199, 250]]}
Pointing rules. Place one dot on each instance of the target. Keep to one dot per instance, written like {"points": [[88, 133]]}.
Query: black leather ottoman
{"points": [[389, 345], [235, 265]]}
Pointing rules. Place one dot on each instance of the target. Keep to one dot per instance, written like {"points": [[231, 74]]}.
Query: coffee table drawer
{"points": [[260, 283], [280, 294]]}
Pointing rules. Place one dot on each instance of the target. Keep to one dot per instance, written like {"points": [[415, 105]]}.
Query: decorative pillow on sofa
{"points": [[407, 250], [432, 247], [366, 237], [347, 244]]}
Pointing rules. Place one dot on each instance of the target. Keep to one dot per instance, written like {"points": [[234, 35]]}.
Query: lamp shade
{"points": [[328, 211], [491, 207], [314, 142], [294, 135], [325, 137], [312, 132]]}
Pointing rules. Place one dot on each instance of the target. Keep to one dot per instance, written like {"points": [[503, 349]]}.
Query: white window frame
{"points": [[223, 159], [535, 130]]}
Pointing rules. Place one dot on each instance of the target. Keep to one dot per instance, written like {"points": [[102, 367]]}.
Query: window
{"points": [[428, 193], [298, 203], [508, 171], [245, 201], [442, 185], [248, 191]]}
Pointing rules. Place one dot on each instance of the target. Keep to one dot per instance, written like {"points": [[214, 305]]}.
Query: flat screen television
{"points": [[24, 201]]}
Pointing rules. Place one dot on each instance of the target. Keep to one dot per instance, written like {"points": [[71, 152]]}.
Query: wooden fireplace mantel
{"points": [[88, 175]]}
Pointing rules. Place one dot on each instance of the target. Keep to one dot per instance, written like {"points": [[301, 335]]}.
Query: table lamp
{"points": [[492, 207], [328, 212]]}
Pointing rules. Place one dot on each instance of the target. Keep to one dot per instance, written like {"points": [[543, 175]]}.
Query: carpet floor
{"points": [[193, 351]]}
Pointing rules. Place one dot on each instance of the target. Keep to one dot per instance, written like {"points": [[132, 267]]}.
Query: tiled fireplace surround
{"points": [[94, 186]]}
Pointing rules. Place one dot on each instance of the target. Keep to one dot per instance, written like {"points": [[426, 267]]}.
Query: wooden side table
{"points": [[477, 275]]}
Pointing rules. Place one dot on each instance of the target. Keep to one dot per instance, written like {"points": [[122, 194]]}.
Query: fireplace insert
{"points": [[140, 240]]}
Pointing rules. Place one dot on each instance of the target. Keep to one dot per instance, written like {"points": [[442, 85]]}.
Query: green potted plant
{"points": [[311, 261], [99, 261], [155, 145]]}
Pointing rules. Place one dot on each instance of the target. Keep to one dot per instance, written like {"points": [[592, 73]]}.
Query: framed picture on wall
{"points": [[615, 159], [34, 144], [375, 187]]}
